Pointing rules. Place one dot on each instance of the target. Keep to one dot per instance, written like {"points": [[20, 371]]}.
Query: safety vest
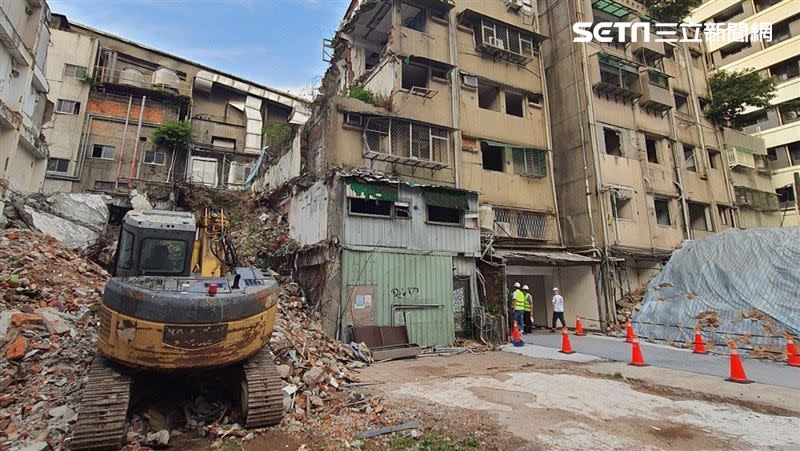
{"points": [[519, 300], [528, 302]]}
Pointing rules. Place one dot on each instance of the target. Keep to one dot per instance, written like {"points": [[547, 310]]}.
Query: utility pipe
{"points": [[134, 161], [124, 137]]}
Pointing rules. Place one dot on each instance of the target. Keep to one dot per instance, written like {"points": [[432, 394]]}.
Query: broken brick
{"points": [[16, 348], [25, 319]]}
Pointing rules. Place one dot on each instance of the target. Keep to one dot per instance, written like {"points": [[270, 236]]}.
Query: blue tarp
{"points": [[747, 280]]}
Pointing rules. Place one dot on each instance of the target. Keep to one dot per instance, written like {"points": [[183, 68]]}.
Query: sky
{"points": [[277, 43]]}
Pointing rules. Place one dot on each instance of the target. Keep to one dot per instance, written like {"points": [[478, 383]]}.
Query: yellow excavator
{"points": [[178, 301]]}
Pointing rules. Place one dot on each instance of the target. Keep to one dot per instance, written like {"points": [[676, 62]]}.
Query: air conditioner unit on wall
{"points": [[514, 5], [471, 81]]}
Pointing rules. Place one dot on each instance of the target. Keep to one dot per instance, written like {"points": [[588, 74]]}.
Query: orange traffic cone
{"points": [[636, 354], [629, 335], [578, 327], [791, 349], [737, 370], [699, 346], [566, 346], [516, 337], [793, 360]]}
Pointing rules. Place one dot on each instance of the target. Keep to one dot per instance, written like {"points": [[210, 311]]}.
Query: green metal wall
{"points": [[405, 279]]}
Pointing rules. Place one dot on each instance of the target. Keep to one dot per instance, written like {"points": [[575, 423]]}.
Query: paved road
{"points": [[663, 356]]}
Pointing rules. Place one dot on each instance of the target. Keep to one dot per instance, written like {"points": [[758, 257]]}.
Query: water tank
{"points": [[132, 77], [166, 78]]}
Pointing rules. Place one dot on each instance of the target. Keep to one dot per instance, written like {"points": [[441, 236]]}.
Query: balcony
{"points": [[645, 46], [502, 41], [656, 96], [522, 224], [615, 78], [741, 157], [139, 78], [756, 199], [13, 41], [406, 143], [8, 117]]}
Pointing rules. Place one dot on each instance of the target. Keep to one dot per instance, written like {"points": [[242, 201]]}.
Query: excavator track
{"points": [[103, 408], [262, 395]]}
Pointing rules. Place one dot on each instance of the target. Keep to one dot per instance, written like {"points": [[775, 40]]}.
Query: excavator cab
{"points": [[155, 243]]}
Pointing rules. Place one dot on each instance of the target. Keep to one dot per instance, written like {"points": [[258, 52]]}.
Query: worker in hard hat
{"points": [[518, 307], [528, 310], [558, 309]]}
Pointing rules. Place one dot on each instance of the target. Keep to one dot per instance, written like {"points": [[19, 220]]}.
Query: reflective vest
{"points": [[519, 299], [528, 302]]}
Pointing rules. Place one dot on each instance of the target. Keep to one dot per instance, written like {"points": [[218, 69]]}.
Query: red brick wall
{"points": [[113, 108]]}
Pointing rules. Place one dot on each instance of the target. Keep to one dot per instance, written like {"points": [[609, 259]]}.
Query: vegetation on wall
{"points": [[365, 95], [732, 92], [174, 135], [277, 135], [671, 11]]}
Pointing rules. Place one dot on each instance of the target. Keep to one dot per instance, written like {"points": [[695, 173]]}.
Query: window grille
{"points": [[530, 162], [522, 224], [406, 142], [517, 46]]}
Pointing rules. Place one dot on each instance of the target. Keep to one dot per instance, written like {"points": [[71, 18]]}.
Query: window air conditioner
{"points": [[514, 5], [471, 81]]}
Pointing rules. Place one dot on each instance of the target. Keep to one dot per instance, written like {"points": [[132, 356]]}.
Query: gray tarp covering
{"points": [[750, 278]]}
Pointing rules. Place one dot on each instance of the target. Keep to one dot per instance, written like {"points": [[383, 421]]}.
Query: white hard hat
{"points": [[524, 287], [516, 284], [555, 288]]}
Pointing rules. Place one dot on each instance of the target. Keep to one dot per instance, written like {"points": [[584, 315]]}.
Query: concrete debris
{"points": [[47, 296], [139, 201], [388, 430], [158, 439]]}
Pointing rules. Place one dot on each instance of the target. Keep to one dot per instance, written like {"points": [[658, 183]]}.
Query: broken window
{"points": [[612, 141], [103, 152], [662, 211], [103, 185], [372, 60], [725, 215], [714, 158], [493, 158], [652, 149], [669, 51], [786, 196], [698, 217], [439, 73], [514, 104], [372, 207], [622, 204], [402, 210], [488, 97], [681, 102], [412, 17], [444, 215], [57, 164], [414, 75], [530, 162], [689, 158]]}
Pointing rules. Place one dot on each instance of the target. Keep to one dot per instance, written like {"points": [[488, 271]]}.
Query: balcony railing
{"points": [[141, 78], [407, 143], [524, 224]]}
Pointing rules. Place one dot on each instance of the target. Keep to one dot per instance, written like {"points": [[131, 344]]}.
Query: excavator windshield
{"points": [[162, 256]]}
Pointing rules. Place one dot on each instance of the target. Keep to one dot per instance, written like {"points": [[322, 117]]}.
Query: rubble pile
{"points": [[47, 328], [627, 304], [315, 367]]}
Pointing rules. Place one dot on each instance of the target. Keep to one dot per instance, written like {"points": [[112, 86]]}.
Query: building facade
{"points": [[112, 94], [446, 98], [638, 167], [779, 58], [24, 106]]}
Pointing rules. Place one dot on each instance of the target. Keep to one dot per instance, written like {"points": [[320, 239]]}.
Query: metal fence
{"points": [[407, 140]]}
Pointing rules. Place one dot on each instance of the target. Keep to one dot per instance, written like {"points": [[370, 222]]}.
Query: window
{"points": [[755, 119], [652, 150], [733, 48], [514, 104], [703, 104], [728, 14], [64, 106], [439, 73], [510, 41], [714, 158], [535, 100], [622, 204], [657, 78], [103, 152], [794, 153], [225, 143], [780, 32], [371, 207], [612, 142], [71, 70], [125, 252], [414, 75], [521, 224], [402, 210], [698, 217], [407, 140], [57, 165], [761, 5], [786, 196], [788, 115], [725, 215], [617, 72], [160, 256], [440, 14], [154, 157], [204, 170], [662, 211], [681, 102], [530, 162], [689, 159], [785, 70], [493, 158], [238, 172], [412, 17], [488, 97], [102, 185], [669, 51], [444, 215]]}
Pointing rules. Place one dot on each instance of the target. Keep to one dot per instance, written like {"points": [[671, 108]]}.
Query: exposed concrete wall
{"points": [[308, 214]]}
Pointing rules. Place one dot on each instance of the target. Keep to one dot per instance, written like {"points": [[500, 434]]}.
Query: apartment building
{"points": [[638, 168], [435, 191], [24, 106], [111, 94], [779, 58]]}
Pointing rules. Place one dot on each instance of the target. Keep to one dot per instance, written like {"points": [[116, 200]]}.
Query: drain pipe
{"points": [[134, 165], [455, 98], [122, 147]]}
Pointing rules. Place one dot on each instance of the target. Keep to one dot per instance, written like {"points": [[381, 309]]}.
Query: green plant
{"points": [[278, 135], [732, 92], [431, 441], [363, 94], [671, 11], [174, 135]]}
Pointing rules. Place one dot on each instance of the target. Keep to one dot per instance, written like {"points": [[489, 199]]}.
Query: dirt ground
{"points": [[498, 400]]}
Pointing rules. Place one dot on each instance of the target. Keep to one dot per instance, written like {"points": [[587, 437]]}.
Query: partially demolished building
{"points": [[434, 188]]}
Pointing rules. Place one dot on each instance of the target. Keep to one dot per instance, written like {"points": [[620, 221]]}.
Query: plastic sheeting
{"points": [[747, 282]]}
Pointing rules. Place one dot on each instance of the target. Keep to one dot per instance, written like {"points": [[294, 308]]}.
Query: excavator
{"points": [[178, 301]]}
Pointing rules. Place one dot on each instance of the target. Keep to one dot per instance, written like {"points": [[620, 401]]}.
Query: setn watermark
{"points": [[624, 32]]}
